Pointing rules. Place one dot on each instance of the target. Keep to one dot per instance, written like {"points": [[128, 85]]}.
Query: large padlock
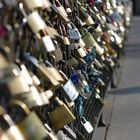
{"points": [[48, 73], [90, 42], [61, 116], [28, 122], [8, 130], [35, 22], [87, 125]]}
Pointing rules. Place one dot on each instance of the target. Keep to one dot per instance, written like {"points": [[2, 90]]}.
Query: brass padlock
{"points": [[61, 116], [29, 123], [49, 74]]}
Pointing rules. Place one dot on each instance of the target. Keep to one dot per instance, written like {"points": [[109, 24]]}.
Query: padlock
{"points": [[61, 116], [52, 70], [66, 40], [60, 8], [47, 41], [85, 17], [90, 42], [21, 88], [87, 125], [60, 11], [48, 73], [18, 85], [28, 122], [72, 62], [58, 54], [74, 34], [35, 22], [81, 52], [8, 129], [82, 43], [71, 90], [33, 4], [98, 64], [46, 96]]}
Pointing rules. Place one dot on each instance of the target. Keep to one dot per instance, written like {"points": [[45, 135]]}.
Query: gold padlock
{"points": [[61, 116]]}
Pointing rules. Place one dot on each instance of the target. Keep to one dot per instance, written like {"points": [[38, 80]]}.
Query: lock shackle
{"points": [[21, 7], [71, 25], [83, 120], [84, 31], [63, 75], [58, 3], [22, 106], [47, 63], [63, 30]]}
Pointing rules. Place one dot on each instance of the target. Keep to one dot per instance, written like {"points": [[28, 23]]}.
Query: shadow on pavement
{"points": [[129, 90]]}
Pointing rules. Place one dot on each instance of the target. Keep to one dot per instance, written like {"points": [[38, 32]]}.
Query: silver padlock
{"points": [[87, 125], [48, 43], [74, 34], [81, 52]]}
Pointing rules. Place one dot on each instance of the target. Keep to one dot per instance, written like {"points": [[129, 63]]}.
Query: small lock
{"points": [[87, 125], [71, 90], [81, 52], [74, 34], [66, 40], [60, 8], [47, 41], [45, 96]]}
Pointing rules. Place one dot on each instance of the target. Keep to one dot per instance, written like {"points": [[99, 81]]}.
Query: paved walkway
{"points": [[125, 121]]}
